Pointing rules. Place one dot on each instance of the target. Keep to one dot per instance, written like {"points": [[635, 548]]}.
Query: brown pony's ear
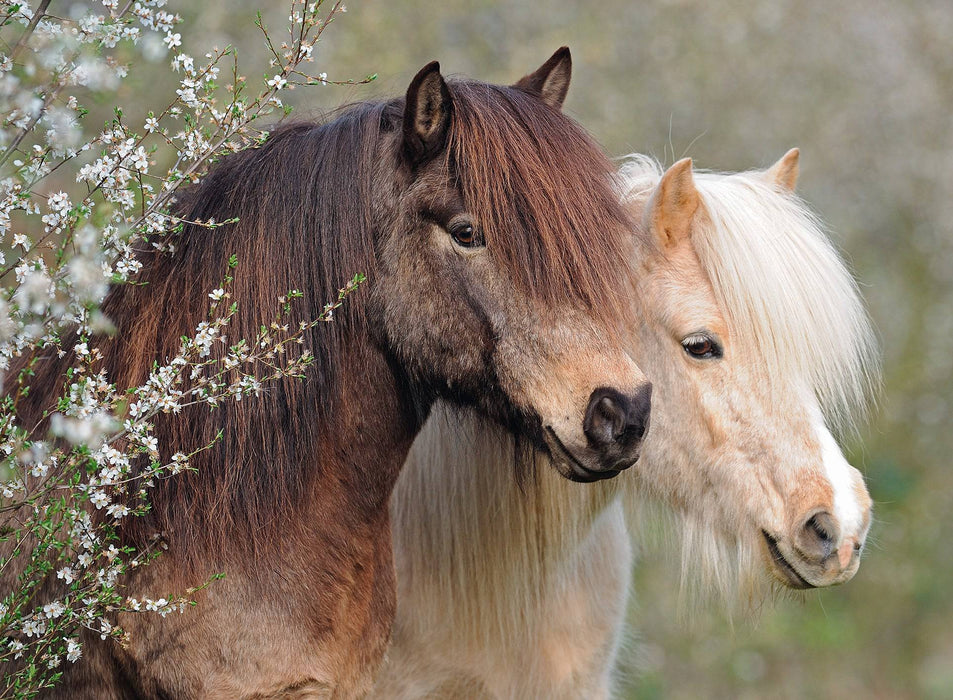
{"points": [[784, 173], [672, 206], [550, 82], [426, 115]]}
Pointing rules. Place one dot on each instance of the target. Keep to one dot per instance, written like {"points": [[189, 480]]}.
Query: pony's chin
{"points": [[784, 570], [569, 465], [781, 568]]}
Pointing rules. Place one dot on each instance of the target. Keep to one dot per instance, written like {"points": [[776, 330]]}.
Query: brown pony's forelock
{"points": [[525, 163]]}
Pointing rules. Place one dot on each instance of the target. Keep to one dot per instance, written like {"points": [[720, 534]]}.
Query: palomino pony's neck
{"points": [[458, 503]]}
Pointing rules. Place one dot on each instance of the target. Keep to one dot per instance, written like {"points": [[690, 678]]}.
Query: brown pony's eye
{"points": [[465, 234], [702, 346]]}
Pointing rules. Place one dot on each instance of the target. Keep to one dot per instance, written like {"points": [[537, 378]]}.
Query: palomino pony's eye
{"points": [[466, 235], [702, 346]]}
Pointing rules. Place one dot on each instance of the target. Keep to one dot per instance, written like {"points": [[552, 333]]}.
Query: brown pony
{"points": [[493, 241]]}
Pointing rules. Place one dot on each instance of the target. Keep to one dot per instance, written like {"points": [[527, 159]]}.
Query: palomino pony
{"points": [[491, 234], [756, 340]]}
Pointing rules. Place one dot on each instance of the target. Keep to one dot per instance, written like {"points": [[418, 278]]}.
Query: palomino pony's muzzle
{"points": [[821, 543], [800, 570], [820, 551]]}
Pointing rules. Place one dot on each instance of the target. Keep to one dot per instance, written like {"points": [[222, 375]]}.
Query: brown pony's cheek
{"points": [[449, 332]]}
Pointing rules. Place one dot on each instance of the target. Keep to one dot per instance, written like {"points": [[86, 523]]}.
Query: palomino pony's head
{"points": [[500, 223], [759, 343]]}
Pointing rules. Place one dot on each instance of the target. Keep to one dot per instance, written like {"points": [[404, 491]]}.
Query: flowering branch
{"points": [[76, 212]]}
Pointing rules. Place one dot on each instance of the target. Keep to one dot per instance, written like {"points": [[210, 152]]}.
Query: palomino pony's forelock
{"points": [[768, 259]]}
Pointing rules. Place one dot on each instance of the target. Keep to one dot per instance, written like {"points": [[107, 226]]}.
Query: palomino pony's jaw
{"points": [[740, 441]]}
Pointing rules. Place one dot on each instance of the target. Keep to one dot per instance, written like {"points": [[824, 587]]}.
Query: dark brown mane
{"points": [[303, 203], [303, 207], [526, 162]]}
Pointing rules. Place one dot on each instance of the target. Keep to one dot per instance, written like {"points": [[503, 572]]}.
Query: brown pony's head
{"points": [[501, 276]]}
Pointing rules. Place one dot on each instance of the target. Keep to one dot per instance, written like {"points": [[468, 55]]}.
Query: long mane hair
{"points": [[769, 259], [305, 202]]}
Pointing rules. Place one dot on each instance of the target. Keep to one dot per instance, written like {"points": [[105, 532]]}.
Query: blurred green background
{"points": [[865, 89]]}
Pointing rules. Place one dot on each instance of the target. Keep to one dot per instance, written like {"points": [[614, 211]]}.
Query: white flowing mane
{"points": [[783, 287]]}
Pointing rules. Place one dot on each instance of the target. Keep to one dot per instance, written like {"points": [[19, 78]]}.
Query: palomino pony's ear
{"points": [[550, 82], [426, 115], [672, 206], [784, 173]]}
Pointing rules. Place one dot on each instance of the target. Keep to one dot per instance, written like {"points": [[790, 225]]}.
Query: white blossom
{"points": [[34, 292], [205, 335], [98, 499], [117, 510], [73, 650], [59, 202], [54, 609], [33, 627]]}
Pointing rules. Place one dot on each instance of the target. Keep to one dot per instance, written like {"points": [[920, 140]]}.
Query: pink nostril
{"points": [[847, 551]]}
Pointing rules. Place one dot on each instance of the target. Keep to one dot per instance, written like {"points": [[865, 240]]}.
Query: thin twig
{"points": [[37, 16], [52, 95]]}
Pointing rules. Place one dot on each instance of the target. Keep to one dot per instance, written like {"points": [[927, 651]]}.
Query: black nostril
{"points": [[820, 531], [615, 419], [605, 417], [817, 538]]}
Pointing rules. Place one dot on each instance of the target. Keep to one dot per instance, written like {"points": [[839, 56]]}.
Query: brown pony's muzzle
{"points": [[615, 424], [594, 416]]}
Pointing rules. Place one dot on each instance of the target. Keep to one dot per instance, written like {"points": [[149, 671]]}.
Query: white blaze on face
{"points": [[850, 511]]}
